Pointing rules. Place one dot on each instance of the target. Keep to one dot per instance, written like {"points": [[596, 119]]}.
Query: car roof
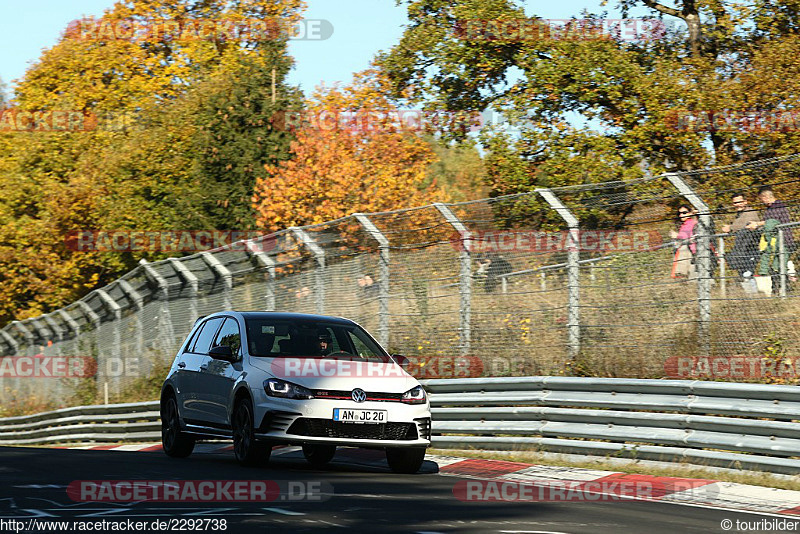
{"points": [[289, 316]]}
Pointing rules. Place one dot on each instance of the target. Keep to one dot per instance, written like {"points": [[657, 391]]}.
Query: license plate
{"points": [[352, 415]]}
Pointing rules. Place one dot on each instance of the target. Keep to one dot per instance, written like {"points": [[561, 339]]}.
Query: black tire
{"points": [[318, 455], [247, 449], [175, 442], [405, 460]]}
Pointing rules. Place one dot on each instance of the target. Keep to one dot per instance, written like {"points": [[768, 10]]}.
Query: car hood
{"points": [[333, 374]]}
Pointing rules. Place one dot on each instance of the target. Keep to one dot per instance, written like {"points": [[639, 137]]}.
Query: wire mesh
{"points": [[501, 283]]}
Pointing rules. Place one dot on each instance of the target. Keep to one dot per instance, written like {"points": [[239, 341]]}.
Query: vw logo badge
{"points": [[358, 395]]}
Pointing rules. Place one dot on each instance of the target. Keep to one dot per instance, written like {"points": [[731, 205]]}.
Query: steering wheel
{"points": [[338, 353]]}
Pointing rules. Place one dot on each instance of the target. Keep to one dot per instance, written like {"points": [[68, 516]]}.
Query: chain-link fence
{"points": [[626, 279]]}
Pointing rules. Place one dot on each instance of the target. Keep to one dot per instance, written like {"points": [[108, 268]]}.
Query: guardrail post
{"points": [[465, 276], [187, 276], [319, 272], [573, 270], [227, 277], [782, 260], [383, 282], [269, 264], [703, 259]]}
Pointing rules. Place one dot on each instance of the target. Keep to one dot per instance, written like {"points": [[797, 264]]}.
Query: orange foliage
{"points": [[339, 169]]}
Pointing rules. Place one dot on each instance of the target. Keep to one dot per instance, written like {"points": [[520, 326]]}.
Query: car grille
{"points": [[327, 428], [377, 396]]}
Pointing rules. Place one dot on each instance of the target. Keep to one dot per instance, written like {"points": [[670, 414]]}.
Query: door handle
{"points": [[181, 365]]}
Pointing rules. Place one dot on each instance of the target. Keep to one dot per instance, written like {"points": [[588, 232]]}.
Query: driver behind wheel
{"points": [[324, 341]]}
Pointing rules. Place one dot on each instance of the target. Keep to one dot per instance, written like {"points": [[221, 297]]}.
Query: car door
{"points": [[216, 377], [190, 395]]}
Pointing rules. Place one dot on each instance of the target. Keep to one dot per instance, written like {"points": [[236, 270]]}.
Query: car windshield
{"points": [[275, 338]]}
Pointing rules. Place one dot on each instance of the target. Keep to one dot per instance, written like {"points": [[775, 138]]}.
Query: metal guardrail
{"points": [[138, 421], [750, 426]]}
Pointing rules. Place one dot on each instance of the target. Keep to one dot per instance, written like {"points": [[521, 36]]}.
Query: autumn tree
{"points": [[596, 106], [183, 133], [350, 155]]}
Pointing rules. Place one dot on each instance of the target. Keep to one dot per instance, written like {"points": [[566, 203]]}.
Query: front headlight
{"points": [[414, 396], [286, 390]]}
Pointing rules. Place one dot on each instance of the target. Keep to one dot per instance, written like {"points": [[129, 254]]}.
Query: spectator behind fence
{"points": [[682, 264], [491, 267], [744, 255], [768, 264], [368, 286], [777, 210]]}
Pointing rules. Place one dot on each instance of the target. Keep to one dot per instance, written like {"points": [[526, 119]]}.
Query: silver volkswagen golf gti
{"points": [[266, 378]]}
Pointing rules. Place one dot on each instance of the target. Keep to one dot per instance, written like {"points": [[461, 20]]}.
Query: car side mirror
{"points": [[222, 352], [400, 360]]}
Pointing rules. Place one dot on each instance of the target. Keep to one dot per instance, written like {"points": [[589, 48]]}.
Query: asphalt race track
{"points": [[365, 498]]}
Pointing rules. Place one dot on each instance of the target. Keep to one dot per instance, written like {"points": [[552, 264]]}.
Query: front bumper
{"points": [[311, 421]]}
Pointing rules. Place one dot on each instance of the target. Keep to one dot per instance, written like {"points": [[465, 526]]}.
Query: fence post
{"points": [[265, 261], [10, 340], [138, 302], [383, 282], [30, 349], [465, 276], [703, 260], [70, 322], [116, 349], [93, 318], [165, 327], [782, 260], [187, 276], [319, 272], [227, 277], [57, 330], [44, 333], [573, 270], [723, 267]]}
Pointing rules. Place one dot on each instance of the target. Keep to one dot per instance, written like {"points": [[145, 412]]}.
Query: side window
{"points": [[204, 337], [229, 335], [361, 348]]}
